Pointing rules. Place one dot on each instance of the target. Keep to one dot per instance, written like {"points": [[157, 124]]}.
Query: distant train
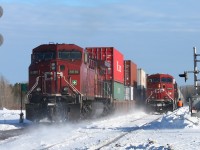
{"points": [[67, 82], [162, 93]]}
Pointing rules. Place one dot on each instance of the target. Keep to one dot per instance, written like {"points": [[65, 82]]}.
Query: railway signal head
{"points": [[184, 75]]}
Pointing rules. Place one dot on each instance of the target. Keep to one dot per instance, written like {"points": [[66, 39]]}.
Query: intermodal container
{"points": [[141, 79], [118, 91], [129, 93], [111, 55], [141, 86], [130, 73]]}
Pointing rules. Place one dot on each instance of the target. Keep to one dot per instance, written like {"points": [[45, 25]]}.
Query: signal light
{"points": [[184, 75]]}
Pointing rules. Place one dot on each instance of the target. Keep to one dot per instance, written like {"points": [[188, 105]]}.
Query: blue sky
{"points": [[158, 35]]}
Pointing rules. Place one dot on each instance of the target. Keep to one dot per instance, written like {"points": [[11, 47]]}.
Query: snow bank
{"points": [[179, 119], [9, 119]]}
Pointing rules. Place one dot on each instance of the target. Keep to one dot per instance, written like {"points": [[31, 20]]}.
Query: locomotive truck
{"points": [[162, 93], [68, 82]]}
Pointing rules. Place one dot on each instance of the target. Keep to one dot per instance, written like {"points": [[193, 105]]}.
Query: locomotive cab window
{"points": [[167, 80], [154, 80], [68, 55], [42, 56]]}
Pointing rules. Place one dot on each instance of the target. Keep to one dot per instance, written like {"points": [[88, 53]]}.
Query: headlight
{"points": [[53, 66], [65, 89], [38, 89]]}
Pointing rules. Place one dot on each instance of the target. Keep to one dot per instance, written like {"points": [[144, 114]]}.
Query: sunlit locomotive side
{"points": [[162, 93], [63, 84]]}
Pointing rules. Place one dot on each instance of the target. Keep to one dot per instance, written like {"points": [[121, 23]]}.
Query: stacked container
{"points": [[130, 80], [129, 93], [115, 72], [141, 85]]}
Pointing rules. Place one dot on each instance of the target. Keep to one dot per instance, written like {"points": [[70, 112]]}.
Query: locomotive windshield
{"points": [[67, 55], [166, 80], [43, 56], [154, 80]]}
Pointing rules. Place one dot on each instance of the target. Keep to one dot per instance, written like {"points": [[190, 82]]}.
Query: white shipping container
{"points": [[141, 79], [129, 93]]}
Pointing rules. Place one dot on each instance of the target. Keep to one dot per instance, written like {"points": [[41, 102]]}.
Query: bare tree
{"points": [[6, 96]]}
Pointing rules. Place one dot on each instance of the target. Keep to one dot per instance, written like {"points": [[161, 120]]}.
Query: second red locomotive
{"points": [[162, 92]]}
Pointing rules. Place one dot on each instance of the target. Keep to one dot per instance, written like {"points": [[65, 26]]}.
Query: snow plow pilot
{"points": [[180, 103]]}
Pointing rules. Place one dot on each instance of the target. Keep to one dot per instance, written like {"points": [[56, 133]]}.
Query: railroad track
{"points": [[25, 128], [126, 133], [43, 147], [104, 143], [182, 117], [10, 133], [108, 141]]}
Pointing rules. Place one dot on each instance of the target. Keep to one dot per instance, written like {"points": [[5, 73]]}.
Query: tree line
{"points": [[188, 91], [10, 95]]}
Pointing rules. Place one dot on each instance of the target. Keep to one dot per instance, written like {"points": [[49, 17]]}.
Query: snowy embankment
{"points": [[138, 130], [9, 119]]}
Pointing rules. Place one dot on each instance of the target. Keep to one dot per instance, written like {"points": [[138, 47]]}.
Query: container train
{"points": [[68, 82], [162, 93]]}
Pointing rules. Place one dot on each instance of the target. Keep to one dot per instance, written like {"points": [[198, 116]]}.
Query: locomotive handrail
{"points": [[162, 90], [72, 87], [169, 96], [149, 96], [34, 86]]}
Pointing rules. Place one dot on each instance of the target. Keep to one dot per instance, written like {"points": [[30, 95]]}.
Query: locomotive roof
{"points": [[159, 75], [57, 46]]}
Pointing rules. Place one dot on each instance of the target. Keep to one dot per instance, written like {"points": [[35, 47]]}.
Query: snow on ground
{"points": [[175, 130], [9, 119]]}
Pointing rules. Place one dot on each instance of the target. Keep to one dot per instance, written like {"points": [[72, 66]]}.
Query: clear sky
{"points": [[158, 35]]}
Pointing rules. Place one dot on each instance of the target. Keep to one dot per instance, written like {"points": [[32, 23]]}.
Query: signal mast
{"points": [[196, 71], [194, 103]]}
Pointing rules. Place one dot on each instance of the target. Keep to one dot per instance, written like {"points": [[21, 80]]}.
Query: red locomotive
{"points": [[162, 93], [66, 81]]}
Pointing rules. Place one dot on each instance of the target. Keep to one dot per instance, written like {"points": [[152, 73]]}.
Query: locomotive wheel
{"points": [[97, 109]]}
